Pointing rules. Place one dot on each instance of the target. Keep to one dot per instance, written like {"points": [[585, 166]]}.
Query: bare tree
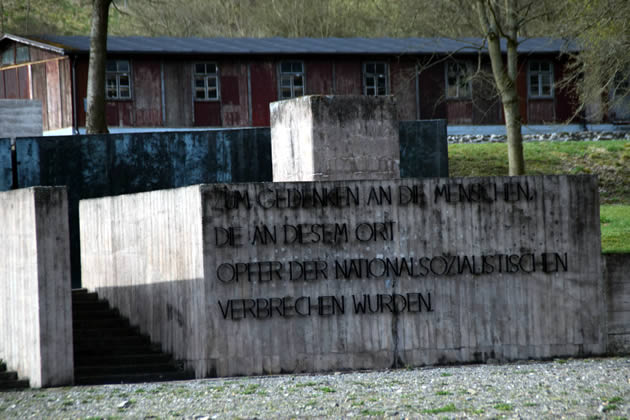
{"points": [[503, 22], [95, 119]]}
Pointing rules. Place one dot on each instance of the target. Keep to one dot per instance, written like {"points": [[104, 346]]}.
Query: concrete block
{"points": [[35, 299], [21, 118], [328, 138]]}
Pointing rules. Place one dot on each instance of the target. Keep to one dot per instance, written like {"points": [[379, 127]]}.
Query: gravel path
{"points": [[581, 388]]}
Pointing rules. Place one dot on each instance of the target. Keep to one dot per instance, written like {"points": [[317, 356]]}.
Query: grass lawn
{"points": [[610, 160]]}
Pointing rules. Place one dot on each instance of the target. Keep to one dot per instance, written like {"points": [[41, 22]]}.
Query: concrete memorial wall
{"points": [[35, 301], [111, 164], [239, 279]]}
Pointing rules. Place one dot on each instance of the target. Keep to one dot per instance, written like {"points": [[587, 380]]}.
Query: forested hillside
{"points": [[289, 18]]}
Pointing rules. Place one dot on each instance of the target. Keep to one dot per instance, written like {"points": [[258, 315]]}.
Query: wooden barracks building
{"points": [[223, 82]]}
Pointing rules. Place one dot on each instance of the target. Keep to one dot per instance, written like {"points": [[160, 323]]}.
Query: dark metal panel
{"points": [[178, 93], [53, 95], [348, 77], [208, 114], [11, 84], [459, 111], [423, 149], [264, 91], [432, 91], [147, 92], [38, 73], [318, 76]]}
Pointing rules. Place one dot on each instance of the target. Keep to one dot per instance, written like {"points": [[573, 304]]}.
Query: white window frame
{"points": [[371, 77], [210, 79], [463, 82], [117, 74], [288, 79], [540, 74]]}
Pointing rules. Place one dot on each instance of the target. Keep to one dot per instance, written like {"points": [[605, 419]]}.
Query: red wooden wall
{"points": [[162, 90]]}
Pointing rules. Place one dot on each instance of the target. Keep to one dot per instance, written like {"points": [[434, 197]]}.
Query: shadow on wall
{"points": [[93, 166]]}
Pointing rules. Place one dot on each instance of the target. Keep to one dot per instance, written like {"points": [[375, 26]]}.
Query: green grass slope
{"points": [[610, 160]]}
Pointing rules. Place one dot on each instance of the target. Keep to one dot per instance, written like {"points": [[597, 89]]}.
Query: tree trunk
{"points": [[505, 78], [95, 119]]}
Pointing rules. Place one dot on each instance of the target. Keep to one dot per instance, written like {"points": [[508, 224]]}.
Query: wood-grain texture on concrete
{"points": [[35, 301], [144, 254], [456, 270], [617, 276]]}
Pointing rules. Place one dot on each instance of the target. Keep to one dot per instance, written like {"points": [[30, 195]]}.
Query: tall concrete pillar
{"points": [[35, 290], [332, 138]]}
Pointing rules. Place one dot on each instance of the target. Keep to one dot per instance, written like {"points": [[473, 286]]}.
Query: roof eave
{"points": [[33, 43]]}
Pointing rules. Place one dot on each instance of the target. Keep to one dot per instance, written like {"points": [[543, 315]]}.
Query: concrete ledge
{"points": [[35, 297]]}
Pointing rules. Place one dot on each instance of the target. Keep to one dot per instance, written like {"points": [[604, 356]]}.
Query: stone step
{"points": [[104, 359], [82, 295], [96, 314], [89, 305], [100, 323], [133, 378], [108, 350], [9, 379], [8, 376], [99, 343], [99, 370], [86, 333], [17, 384]]}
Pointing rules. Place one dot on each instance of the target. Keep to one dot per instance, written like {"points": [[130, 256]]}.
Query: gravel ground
{"points": [[580, 388]]}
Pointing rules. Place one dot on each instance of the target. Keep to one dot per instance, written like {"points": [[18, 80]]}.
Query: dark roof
{"points": [[247, 46]]}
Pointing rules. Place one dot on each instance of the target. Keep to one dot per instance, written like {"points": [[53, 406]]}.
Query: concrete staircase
{"points": [[108, 350], [9, 380]]}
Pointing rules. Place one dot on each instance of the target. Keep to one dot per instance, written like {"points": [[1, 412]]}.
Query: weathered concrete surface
{"points": [[617, 276], [104, 165], [35, 301], [455, 270], [331, 138], [20, 118]]}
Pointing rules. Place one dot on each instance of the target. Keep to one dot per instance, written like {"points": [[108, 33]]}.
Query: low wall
{"points": [[617, 275], [35, 301], [104, 165], [241, 279], [20, 118]]}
